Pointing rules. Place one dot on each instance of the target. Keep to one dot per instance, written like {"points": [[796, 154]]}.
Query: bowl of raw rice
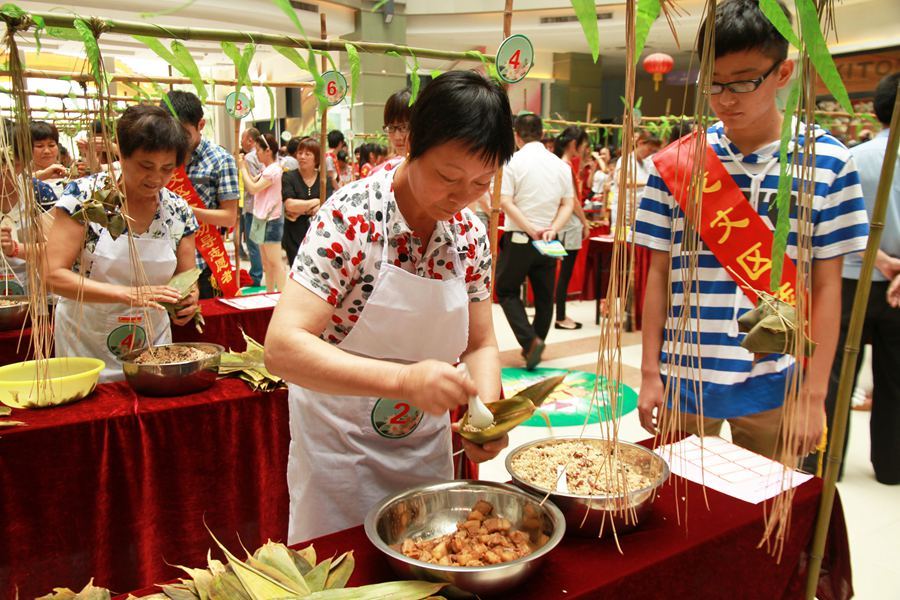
{"points": [[599, 485]]}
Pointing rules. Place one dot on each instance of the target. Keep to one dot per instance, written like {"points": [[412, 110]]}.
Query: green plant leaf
{"points": [[785, 183], [586, 11], [271, 106], [817, 48], [39, 26], [647, 13], [414, 81], [160, 50], [13, 11], [379, 4], [63, 33], [317, 77], [286, 7], [330, 60], [435, 74], [292, 55], [92, 49], [353, 59], [776, 16], [165, 98], [189, 68]]}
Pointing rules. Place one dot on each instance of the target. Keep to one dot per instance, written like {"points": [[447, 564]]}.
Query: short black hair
{"points": [[464, 107], [151, 128], [680, 129], [311, 145], [885, 96], [529, 127], [397, 109], [292, 146], [268, 141], [63, 151], [741, 26], [365, 153], [335, 138], [187, 106], [569, 134], [42, 130], [342, 155]]}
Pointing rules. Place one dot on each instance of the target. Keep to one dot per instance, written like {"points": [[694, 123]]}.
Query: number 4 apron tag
{"points": [[395, 419], [515, 57]]}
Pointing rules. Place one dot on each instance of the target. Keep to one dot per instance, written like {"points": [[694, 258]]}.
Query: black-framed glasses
{"points": [[741, 87], [404, 128]]}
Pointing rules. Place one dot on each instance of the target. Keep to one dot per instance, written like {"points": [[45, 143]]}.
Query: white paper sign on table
{"points": [[252, 302], [730, 469]]}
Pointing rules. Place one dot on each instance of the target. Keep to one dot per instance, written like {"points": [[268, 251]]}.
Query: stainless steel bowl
{"points": [[174, 379], [624, 511], [434, 510], [14, 316]]}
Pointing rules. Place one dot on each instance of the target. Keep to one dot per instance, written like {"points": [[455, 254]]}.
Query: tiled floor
{"points": [[872, 510]]}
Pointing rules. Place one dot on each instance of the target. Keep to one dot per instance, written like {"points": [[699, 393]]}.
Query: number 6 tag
{"points": [[335, 87], [515, 57]]}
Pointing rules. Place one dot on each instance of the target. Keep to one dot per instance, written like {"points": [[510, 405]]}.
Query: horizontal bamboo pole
{"points": [[582, 124], [119, 78], [61, 96], [268, 39]]}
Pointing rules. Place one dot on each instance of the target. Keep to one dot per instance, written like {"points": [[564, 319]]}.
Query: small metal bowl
{"points": [[13, 316], [434, 510], [623, 511], [173, 379]]}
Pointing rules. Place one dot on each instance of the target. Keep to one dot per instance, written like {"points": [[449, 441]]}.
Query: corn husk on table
{"points": [[273, 572], [249, 366]]}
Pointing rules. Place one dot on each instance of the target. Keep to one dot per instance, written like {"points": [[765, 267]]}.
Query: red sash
{"points": [[729, 225], [209, 240]]}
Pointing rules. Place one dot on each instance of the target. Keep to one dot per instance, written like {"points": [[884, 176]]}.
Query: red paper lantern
{"points": [[658, 64]]}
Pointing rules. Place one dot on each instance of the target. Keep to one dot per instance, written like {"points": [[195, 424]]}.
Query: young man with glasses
{"points": [[711, 374]]}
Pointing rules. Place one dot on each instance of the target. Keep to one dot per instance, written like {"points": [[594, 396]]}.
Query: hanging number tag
{"points": [[335, 87], [237, 104], [515, 57]]}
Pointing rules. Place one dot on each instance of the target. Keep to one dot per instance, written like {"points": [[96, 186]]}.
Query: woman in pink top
{"points": [[266, 189]]}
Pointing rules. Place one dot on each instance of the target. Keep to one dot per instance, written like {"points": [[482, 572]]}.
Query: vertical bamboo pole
{"points": [[587, 116], [851, 352], [498, 179], [323, 135], [240, 211]]}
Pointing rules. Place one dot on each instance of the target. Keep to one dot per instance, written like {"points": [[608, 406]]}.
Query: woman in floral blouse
{"points": [[113, 282], [390, 288]]}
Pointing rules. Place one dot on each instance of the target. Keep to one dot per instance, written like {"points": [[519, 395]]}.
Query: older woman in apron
{"points": [[110, 296], [390, 288]]}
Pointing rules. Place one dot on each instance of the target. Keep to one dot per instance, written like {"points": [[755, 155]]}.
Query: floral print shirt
{"points": [[341, 255], [176, 222]]}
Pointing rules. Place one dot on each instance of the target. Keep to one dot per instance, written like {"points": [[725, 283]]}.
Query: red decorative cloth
{"points": [[709, 554]]}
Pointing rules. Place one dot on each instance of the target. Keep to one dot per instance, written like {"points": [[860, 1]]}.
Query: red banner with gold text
{"points": [[729, 226], [209, 240]]}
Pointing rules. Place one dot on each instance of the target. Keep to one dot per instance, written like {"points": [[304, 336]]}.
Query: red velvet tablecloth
{"points": [[223, 326], [711, 554], [116, 486]]}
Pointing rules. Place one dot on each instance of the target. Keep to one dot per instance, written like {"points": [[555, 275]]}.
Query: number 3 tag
{"points": [[515, 57], [395, 419]]}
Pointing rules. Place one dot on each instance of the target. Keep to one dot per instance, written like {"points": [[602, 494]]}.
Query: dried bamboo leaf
{"points": [[178, 591], [257, 585], [5, 410], [308, 554], [539, 391], [341, 570], [297, 589], [227, 586], [507, 413], [11, 423], [201, 579], [394, 590], [316, 578], [278, 557]]}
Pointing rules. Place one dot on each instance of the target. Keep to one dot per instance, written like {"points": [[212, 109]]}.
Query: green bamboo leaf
{"points": [[772, 11], [165, 98], [63, 33], [817, 48], [286, 7], [13, 11], [478, 55], [414, 81], [435, 73], [785, 184], [647, 13], [379, 4], [160, 50], [39, 26], [353, 59], [271, 106], [189, 68], [92, 49], [327, 55], [246, 61], [292, 55], [586, 12], [317, 77]]}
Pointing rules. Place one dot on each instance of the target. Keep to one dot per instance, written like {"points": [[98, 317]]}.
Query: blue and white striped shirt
{"points": [[709, 350]]}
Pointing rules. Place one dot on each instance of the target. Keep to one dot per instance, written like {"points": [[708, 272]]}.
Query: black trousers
{"points": [[882, 330], [204, 283], [562, 283], [518, 261], [294, 232]]}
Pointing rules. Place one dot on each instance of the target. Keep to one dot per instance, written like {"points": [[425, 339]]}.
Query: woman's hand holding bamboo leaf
{"points": [[435, 387], [150, 296], [187, 308]]}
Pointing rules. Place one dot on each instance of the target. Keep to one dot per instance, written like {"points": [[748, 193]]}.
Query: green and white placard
{"points": [[515, 57], [335, 87], [237, 105]]}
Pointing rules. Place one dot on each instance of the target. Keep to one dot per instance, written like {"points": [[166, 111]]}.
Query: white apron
{"points": [[106, 331], [13, 270], [349, 452]]}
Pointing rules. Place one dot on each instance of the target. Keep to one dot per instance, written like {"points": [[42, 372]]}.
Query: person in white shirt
{"points": [[537, 196], [645, 146]]}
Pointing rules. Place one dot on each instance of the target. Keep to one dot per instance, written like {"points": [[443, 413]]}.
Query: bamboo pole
{"points": [[240, 210], [86, 78], [494, 227], [323, 135], [851, 352], [36, 94], [583, 124], [587, 116], [267, 39]]}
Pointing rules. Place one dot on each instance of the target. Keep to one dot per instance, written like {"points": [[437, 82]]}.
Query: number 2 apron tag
{"points": [[394, 419]]}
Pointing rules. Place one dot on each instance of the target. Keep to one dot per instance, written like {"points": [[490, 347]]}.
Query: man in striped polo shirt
{"points": [[711, 373]]}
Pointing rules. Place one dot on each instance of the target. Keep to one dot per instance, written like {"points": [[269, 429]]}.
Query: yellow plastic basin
{"points": [[68, 379]]}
